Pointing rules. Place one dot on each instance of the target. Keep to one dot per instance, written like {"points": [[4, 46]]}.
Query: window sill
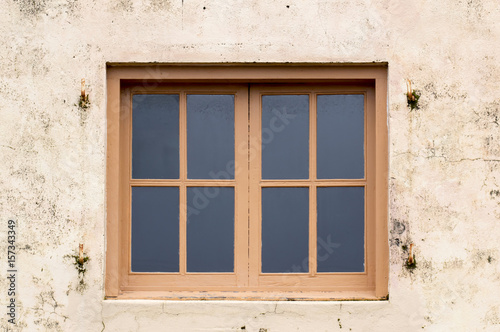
{"points": [[250, 296]]}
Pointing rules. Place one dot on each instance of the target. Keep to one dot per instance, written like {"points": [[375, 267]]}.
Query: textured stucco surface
{"points": [[444, 158]]}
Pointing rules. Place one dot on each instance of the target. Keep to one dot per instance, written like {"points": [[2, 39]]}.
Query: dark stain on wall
{"points": [[31, 7]]}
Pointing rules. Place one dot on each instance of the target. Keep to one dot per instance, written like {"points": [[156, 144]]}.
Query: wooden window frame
{"points": [[246, 282]]}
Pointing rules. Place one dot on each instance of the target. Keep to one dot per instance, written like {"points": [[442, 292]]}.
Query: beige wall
{"points": [[444, 157]]}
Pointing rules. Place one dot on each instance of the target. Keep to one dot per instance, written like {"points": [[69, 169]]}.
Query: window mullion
{"points": [[254, 146], [241, 186], [312, 188], [182, 189]]}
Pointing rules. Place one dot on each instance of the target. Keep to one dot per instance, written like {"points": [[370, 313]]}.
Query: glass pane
{"points": [[210, 229], [285, 230], [155, 229], [341, 229], [210, 136], [285, 137], [155, 137], [341, 137]]}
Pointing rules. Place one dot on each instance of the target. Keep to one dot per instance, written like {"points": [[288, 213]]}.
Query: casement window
{"points": [[247, 182]]}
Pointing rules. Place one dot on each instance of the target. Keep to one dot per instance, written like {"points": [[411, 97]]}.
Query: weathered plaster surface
{"points": [[444, 157]]}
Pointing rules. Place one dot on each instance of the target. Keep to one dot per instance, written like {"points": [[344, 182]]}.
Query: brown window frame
{"points": [[246, 282]]}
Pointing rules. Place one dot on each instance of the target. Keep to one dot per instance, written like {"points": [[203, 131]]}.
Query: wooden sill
{"points": [[250, 296]]}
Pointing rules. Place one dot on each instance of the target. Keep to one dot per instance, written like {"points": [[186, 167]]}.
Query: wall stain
{"points": [[159, 5], [481, 257], [453, 264], [397, 232], [48, 311], [31, 7], [494, 193], [123, 6], [492, 316]]}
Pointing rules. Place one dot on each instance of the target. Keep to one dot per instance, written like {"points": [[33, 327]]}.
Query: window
{"points": [[247, 182]]}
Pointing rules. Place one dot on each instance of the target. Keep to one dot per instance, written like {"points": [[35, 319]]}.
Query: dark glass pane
{"points": [[210, 229], [285, 137], [155, 229], [340, 137], [285, 230], [210, 136], [341, 229], [155, 137]]}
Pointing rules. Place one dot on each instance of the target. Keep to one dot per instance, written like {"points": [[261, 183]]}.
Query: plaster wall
{"points": [[444, 157]]}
